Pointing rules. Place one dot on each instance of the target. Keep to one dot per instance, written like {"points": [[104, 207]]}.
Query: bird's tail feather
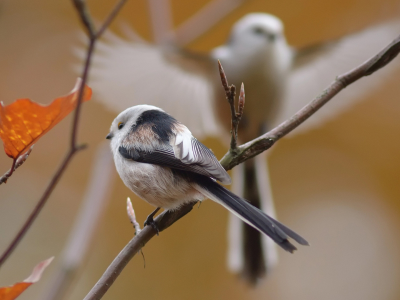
{"points": [[270, 250], [249, 214], [251, 253]]}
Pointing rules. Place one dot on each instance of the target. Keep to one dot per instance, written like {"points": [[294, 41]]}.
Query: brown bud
{"points": [[241, 100], [224, 80]]}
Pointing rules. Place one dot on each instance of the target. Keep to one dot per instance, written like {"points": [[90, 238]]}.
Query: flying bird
{"points": [[279, 80], [158, 158]]}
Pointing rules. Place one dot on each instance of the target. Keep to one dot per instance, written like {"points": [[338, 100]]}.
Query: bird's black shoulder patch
{"points": [[161, 123]]}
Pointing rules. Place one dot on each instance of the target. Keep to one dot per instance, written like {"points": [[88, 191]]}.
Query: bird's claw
{"points": [[150, 221]]}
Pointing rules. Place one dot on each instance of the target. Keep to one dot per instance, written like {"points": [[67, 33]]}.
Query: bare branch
{"points": [[163, 221], [16, 163], [85, 17], [74, 148], [266, 140], [245, 152], [110, 18]]}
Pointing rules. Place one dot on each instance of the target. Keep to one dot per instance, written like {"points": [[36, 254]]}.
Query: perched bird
{"points": [[157, 157], [279, 81]]}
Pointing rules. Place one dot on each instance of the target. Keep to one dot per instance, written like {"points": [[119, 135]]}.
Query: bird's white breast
{"points": [[155, 184]]}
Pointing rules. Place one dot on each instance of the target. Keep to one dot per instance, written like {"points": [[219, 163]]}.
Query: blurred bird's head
{"points": [[257, 30], [255, 36]]}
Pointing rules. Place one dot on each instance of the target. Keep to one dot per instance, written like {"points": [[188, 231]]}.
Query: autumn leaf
{"points": [[12, 292], [23, 122]]}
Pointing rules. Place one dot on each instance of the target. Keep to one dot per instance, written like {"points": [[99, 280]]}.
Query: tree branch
{"points": [[15, 165], [163, 221], [267, 140], [244, 152], [93, 36]]}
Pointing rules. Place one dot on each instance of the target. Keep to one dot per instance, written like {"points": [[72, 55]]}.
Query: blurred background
{"points": [[337, 185]]}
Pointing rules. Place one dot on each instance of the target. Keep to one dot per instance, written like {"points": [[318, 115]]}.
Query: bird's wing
{"points": [[184, 152], [309, 79], [127, 73]]}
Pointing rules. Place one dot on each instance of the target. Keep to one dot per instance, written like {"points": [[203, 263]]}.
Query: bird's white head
{"points": [[123, 123], [257, 40], [256, 29], [255, 32]]}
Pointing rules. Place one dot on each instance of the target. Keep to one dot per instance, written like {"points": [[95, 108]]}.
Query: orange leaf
{"points": [[23, 122], [12, 292]]}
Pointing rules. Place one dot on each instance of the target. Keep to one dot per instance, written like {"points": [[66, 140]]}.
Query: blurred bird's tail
{"points": [[253, 216], [250, 253]]}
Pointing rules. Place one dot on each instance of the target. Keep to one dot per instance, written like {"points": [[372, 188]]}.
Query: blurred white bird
{"points": [[279, 80]]}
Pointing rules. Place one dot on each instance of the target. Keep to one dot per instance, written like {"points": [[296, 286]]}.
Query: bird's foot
{"points": [[150, 221]]}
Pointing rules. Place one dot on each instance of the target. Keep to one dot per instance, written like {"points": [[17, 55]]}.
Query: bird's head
{"points": [[256, 29], [255, 33], [124, 122]]}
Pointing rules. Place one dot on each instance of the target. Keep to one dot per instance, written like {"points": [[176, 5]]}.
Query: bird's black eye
{"points": [[258, 30], [120, 125]]}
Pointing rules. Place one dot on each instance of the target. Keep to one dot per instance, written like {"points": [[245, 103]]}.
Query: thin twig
{"points": [[132, 216], [74, 148], [236, 116], [15, 165], [110, 18], [245, 152]]}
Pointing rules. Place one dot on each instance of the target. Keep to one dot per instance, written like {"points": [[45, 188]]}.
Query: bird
{"points": [[158, 159], [279, 80]]}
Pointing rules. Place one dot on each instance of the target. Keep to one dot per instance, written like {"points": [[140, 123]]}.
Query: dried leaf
{"points": [[23, 122], [12, 292]]}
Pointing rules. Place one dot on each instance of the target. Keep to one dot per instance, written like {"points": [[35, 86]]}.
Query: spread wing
{"points": [[183, 153], [309, 77], [127, 72]]}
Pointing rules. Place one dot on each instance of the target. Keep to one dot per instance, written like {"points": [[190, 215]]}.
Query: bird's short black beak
{"points": [[109, 136]]}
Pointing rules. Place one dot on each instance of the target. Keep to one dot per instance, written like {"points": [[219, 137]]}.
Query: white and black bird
{"points": [[157, 157], [279, 81]]}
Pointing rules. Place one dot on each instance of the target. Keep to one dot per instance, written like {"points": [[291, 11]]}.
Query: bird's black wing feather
{"points": [[164, 157]]}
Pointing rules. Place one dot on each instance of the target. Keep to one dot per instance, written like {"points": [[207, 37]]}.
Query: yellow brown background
{"points": [[337, 185]]}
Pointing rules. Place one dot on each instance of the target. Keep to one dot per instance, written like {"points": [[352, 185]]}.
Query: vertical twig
{"points": [[230, 92], [93, 36]]}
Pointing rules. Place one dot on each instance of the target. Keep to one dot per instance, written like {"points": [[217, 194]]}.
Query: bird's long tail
{"points": [[250, 253], [249, 214]]}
